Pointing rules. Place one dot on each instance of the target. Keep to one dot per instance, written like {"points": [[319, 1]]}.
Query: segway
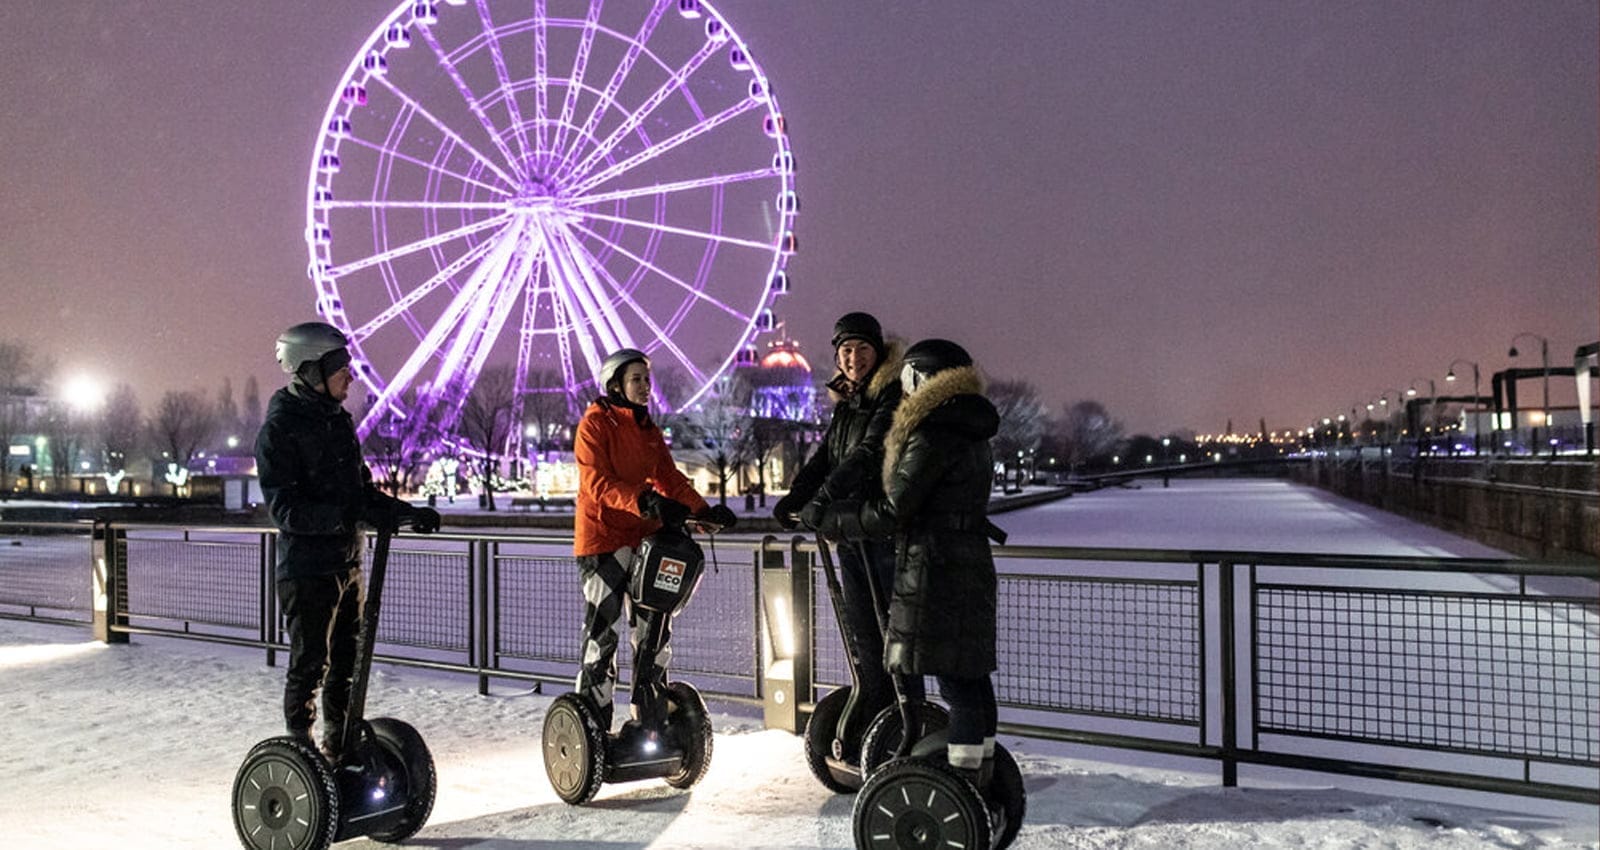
{"points": [[913, 799], [843, 746], [671, 739], [287, 796]]}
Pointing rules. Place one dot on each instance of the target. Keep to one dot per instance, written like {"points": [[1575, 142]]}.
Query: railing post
{"points": [[1230, 683], [109, 556], [269, 595], [478, 569]]}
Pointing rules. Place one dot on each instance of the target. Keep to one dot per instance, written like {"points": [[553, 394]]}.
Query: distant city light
{"points": [[84, 393]]}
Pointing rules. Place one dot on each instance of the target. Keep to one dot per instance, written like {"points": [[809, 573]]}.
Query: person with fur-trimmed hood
{"points": [[865, 390], [937, 470]]}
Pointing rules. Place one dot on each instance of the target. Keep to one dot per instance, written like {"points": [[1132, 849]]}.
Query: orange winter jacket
{"points": [[617, 460]]}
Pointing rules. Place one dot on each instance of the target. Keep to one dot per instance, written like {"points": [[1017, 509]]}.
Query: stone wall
{"points": [[1544, 510]]}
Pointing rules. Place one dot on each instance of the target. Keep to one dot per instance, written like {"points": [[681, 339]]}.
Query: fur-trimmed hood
{"points": [[952, 399], [887, 372]]}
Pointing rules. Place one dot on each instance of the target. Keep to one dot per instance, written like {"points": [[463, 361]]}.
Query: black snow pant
{"points": [[973, 718], [867, 568], [323, 614], [605, 592]]}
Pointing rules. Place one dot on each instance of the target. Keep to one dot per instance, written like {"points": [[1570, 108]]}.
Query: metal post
{"points": [[269, 596], [1230, 684], [109, 554], [786, 622], [486, 558]]}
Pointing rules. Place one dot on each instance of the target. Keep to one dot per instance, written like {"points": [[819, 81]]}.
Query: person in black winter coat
{"points": [[847, 466], [937, 470], [319, 492]]}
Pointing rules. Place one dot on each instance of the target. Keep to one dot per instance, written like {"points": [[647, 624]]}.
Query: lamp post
{"points": [[1388, 413], [1544, 357], [1433, 408], [1450, 375]]}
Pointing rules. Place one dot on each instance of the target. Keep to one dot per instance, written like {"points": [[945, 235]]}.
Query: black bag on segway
{"points": [[665, 571]]}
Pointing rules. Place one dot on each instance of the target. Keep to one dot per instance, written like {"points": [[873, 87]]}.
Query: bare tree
{"points": [[486, 421], [64, 430], [715, 428], [251, 417], [227, 410], [398, 454], [548, 409], [1023, 421], [22, 374], [119, 433], [183, 423], [1088, 433]]}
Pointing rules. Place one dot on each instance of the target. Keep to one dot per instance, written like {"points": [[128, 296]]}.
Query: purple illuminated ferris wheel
{"points": [[526, 186]]}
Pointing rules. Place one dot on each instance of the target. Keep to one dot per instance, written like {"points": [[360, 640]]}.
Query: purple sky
{"points": [[1189, 211]]}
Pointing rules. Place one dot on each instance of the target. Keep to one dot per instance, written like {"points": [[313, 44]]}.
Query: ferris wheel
{"points": [[527, 186]]}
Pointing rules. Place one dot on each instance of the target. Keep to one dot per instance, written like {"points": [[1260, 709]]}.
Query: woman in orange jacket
{"points": [[628, 487]]}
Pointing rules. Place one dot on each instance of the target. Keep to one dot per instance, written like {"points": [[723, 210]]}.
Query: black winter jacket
{"points": [[317, 487], [937, 471], [848, 463]]}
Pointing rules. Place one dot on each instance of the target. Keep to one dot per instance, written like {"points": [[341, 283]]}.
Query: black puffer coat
{"points": [[937, 470], [847, 465], [317, 487]]}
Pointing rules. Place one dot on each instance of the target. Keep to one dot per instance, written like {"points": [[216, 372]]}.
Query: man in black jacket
{"points": [[319, 490], [937, 469], [847, 466]]}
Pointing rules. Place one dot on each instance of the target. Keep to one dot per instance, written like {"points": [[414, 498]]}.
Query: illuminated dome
{"points": [[781, 383]]}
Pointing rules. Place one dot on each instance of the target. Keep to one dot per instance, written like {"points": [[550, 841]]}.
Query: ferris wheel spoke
{"points": [[405, 303], [665, 145], [683, 231], [562, 297], [491, 206], [444, 128], [580, 68], [661, 335], [577, 278], [560, 322], [499, 59], [394, 154], [419, 245], [464, 363], [618, 76], [449, 322], [541, 73], [690, 290], [471, 99], [673, 84], [678, 186]]}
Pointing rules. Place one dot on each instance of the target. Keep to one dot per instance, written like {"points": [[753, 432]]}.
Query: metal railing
{"points": [[1481, 674]]}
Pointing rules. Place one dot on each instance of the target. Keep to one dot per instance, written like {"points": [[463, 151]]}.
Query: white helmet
{"points": [[616, 362], [307, 342]]}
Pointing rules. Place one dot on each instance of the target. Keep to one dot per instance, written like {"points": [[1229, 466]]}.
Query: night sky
{"points": [[1192, 212]]}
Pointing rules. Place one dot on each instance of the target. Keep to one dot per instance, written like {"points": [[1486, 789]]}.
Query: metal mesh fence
{"points": [[540, 606], [427, 599], [1472, 673], [1118, 647], [211, 582], [46, 569]]}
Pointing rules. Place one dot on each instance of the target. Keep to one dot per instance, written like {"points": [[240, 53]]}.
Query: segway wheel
{"points": [[693, 724], [883, 736], [916, 804], [1008, 793], [285, 797], [403, 746], [574, 749], [820, 732]]}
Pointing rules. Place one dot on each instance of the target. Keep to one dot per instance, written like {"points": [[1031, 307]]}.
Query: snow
{"points": [[136, 746]]}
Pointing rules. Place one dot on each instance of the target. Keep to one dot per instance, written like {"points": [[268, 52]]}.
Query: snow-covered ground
{"points": [[136, 746]]}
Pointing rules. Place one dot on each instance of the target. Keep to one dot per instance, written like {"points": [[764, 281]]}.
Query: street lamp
{"points": [[1433, 408], [1450, 375], [1388, 413], [1544, 357]]}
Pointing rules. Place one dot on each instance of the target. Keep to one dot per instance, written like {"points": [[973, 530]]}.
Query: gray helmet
{"points": [[308, 342], [616, 361]]}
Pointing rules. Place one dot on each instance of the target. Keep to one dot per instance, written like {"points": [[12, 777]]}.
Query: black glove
{"points": [[718, 515], [841, 520], [382, 516], [811, 515], [785, 510], [424, 520], [656, 506]]}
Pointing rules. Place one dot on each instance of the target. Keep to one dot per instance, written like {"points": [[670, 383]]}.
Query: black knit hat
{"points": [[932, 356], [861, 326]]}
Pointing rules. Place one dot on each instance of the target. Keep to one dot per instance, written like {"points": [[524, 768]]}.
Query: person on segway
{"points": [[319, 492], [847, 466], [937, 468], [628, 487]]}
